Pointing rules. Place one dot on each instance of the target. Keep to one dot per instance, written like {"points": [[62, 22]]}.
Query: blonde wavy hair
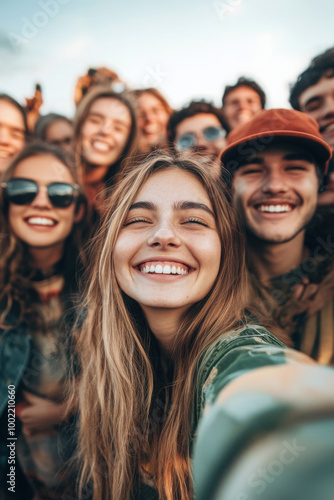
{"points": [[130, 413]]}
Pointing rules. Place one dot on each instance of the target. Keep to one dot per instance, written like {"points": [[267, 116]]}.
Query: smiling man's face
{"points": [[318, 102], [276, 193]]}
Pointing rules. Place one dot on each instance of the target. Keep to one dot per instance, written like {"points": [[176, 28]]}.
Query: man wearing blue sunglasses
{"points": [[200, 127]]}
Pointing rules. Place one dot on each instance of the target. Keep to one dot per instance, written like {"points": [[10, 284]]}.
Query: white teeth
{"points": [[40, 221], [166, 269], [101, 146], [275, 208]]}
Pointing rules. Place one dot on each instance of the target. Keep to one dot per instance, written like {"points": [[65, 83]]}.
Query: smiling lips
{"points": [[5, 154], [101, 146], [327, 128], [163, 268], [152, 128], [276, 208], [40, 221]]}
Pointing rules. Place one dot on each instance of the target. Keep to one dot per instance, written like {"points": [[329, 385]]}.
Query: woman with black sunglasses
{"points": [[42, 210]]}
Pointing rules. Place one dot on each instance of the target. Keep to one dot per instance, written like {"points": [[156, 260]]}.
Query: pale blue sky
{"points": [[186, 48]]}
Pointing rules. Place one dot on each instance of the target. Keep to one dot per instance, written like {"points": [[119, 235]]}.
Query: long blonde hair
{"points": [[129, 415]]}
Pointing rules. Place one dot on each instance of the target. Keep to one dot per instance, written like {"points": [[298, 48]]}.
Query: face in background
{"points": [[276, 193], [167, 254], [60, 133], [12, 133], [152, 121], [241, 105], [105, 132], [196, 125], [39, 224], [318, 102]]}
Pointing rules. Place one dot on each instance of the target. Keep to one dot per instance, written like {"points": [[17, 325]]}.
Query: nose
{"points": [[201, 142], [148, 117], [274, 183], [243, 105], [106, 127], [164, 236], [42, 199], [4, 135]]}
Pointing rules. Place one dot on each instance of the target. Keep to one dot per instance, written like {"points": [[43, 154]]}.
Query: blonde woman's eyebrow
{"points": [[188, 205], [147, 205], [182, 205]]}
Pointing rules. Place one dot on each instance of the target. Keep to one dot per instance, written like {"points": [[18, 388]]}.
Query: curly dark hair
{"points": [[320, 66], [192, 109]]}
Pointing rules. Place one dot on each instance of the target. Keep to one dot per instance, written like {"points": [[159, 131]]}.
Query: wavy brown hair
{"points": [[130, 413], [15, 272]]}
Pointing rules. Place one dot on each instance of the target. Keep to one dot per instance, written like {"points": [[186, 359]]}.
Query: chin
{"points": [[275, 239]]}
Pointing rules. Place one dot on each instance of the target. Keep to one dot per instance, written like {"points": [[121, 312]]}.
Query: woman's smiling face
{"points": [[167, 255], [105, 131], [39, 224]]}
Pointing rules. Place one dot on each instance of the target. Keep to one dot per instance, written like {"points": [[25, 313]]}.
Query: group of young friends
{"points": [[166, 298]]}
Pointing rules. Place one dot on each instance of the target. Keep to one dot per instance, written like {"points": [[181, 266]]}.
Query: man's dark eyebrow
{"points": [[300, 156], [243, 162], [186, 205], [147, 205]]}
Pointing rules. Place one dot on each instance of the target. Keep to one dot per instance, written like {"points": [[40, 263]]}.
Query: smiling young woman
{"points": [[165, 286], [42, 208], [153, 112], [104, 138]]}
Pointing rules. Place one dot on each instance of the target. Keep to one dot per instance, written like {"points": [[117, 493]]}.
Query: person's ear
{"points": [[79, 213]]}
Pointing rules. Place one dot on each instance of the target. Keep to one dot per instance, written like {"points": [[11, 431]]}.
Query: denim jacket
{"points": [[14, 356]]}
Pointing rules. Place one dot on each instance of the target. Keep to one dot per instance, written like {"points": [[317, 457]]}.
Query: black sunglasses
{"points": [[187, 141], [23, 191]]}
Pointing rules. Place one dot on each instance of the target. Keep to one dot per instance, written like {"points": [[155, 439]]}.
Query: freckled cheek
{"points": [[241, 193], [208, 253], [125, 253], [88, 131]]}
